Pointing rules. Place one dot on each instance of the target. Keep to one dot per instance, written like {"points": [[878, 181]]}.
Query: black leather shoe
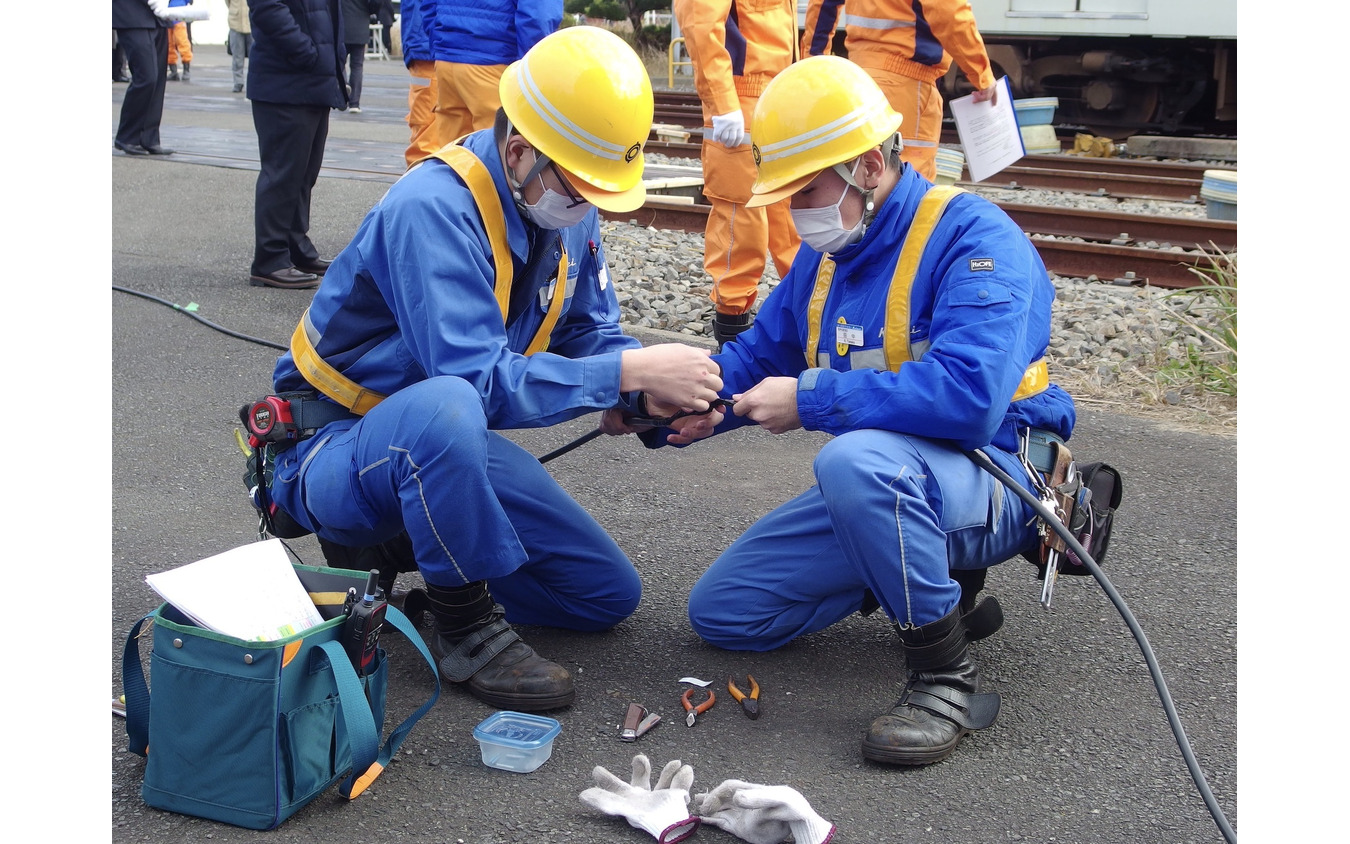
{"points": [[131, 149], [158, 150], [287, 279], [318, 266]]}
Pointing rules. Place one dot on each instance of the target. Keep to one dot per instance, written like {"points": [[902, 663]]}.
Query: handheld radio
{"points": [[361, 633]]}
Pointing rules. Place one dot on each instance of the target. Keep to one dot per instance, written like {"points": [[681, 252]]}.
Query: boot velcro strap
{"points": [[936, 654], [984, 620], [491, 639], [972, 711]]}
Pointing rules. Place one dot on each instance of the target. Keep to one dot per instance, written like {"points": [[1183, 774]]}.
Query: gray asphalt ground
{"points": [[1081, 753]]}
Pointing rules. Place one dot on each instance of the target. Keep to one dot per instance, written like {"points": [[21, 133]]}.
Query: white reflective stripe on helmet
{"points": [[561, 124], [820, 136]]}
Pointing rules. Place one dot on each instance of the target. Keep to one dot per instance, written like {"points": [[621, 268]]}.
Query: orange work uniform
{"points": [[180, 46], [906, 46], [736, 47]]}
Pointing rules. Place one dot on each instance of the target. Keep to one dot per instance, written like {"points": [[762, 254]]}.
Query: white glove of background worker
{"points": [[762, 814], [160, 8], [662, 811], [729, 129]]}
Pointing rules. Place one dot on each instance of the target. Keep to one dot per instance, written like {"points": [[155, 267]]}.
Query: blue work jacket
{"points": [[412, 36], [980, 311], [486, 32], [412, 296]]}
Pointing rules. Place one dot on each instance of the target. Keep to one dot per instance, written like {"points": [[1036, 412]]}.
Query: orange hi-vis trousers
{"points": [[421, 117], [738, 240]]}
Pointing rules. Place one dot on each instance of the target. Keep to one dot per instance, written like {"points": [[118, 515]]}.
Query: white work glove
{"points": [[160, 8], [662, 811], [729, 129], [762, 814]]}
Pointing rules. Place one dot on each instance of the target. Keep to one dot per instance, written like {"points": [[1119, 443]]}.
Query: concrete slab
{"points": [[1197, 149]]}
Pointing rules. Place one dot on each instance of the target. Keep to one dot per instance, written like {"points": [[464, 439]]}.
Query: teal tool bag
{"points": [[247, 733]]}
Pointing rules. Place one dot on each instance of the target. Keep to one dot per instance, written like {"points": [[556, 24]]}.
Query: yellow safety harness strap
{"points": [[326, 379], [479, 181], [815, 311], [931, 207], [896, 349], [559, 294]]}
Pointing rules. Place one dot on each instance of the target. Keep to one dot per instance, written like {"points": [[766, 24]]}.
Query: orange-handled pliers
{"points": [[695, 711], [749, 703]]}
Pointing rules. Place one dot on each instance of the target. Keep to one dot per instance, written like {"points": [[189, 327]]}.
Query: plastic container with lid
{"points": [[516, 741], [1035, 111]]}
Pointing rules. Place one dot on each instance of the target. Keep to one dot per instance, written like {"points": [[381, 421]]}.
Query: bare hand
{"points": [[772, 403], [990, 94], [689, 428], [672, 373], [614, 422]]}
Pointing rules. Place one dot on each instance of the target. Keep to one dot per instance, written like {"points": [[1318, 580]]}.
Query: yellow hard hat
{"points": [[817, 113], [581, 96]]}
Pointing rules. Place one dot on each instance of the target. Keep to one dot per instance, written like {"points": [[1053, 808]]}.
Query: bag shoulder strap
{"points": [[136, 691], [369, 758]]}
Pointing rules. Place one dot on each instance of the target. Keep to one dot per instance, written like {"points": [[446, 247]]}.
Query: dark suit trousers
{"points": [[291, 139], [143, 104]]}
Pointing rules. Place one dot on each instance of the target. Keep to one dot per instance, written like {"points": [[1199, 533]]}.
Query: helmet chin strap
{"points": [[846, 173], [540, 162]]}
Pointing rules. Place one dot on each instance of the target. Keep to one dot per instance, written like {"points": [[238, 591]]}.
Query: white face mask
{"points": [[823, 228], [553, 210]]}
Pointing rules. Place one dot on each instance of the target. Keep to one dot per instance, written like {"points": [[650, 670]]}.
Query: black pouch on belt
{"points": [[1092, 519]]}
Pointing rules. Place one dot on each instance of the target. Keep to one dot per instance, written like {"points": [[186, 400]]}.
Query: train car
{"points": [[1118, 67]]}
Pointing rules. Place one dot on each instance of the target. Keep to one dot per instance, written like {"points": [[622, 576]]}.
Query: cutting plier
{"points": [[749, 703], [693, 709], [643, 421]]}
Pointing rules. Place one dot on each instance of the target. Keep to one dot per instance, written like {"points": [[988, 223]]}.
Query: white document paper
{"points": [[250, 592], [989, 133]]}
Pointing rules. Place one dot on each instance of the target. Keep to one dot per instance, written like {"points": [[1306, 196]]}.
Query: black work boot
{"points": [[187, 71], [727, 326], [939, 704], [173, 73], [984, 618], [474, 646]]}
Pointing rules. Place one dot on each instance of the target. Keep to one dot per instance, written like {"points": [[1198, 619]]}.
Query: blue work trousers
{"points": [[890, 513], [475, 505]]}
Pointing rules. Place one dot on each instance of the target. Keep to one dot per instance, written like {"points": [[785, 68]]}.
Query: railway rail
{"points": [[1114, 247]]}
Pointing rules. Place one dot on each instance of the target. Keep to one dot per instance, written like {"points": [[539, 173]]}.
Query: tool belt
{"points": [[275, 423], [1084, 499]]}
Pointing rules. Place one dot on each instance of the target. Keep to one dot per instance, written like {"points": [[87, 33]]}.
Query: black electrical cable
{"points": [[558, 452], [982, 460], [200, 318]]}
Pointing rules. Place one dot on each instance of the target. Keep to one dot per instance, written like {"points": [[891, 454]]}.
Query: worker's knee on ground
{"points": [[621, 602], [721, 620]]}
